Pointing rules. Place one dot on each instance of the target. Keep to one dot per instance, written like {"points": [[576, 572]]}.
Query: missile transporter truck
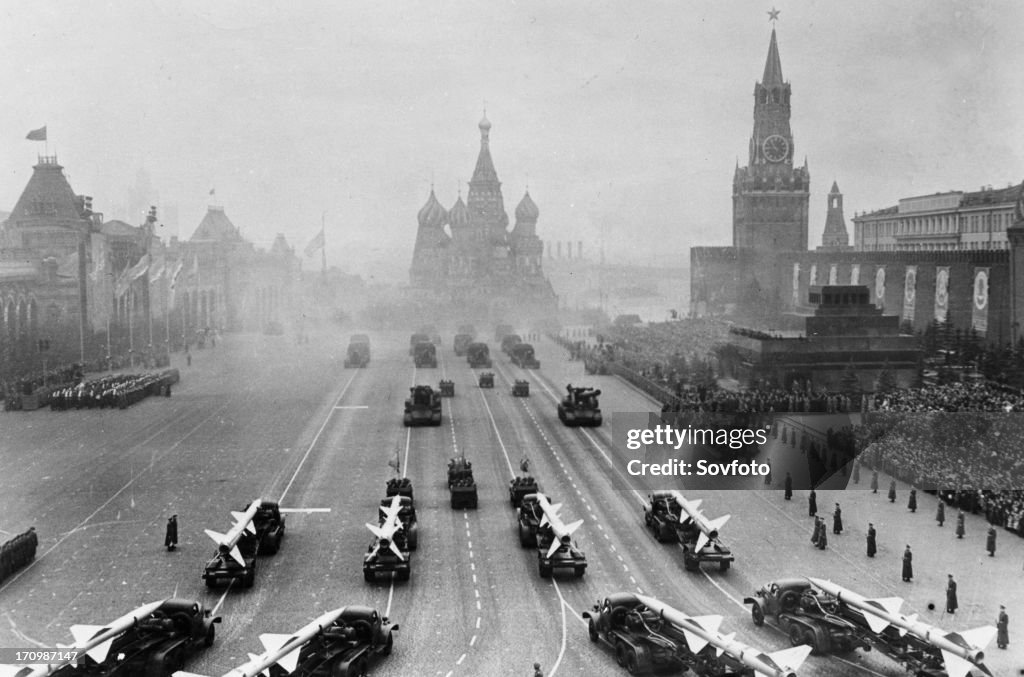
{"points": [[423, 407], [509, 341], [634, 633], [805, 617], [662, 516], [461, 483], [269, 524], [580, 407], [234, 564], [478, 355], [425, 355], [529, 516], [522, 356], [358, 353], [566, 557], [486, 380], [520, 487], [406, 516], [345, 648], [521, 388]]}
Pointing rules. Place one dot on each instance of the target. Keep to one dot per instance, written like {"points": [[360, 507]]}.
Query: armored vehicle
{"points": [[418, 337], [567, 557], [358, 354], [529, 517], [461, 483], [155, 646], [636, 635], [406, 516], [520, 487], [425, 355], [461, 343], [269, 524], [486, 380], [580, 407], [522, 356], [380, 558], [345, 648], [447, 388], [423, 407], [521, 388], [805, 616], [508, 341], [478, 355]]}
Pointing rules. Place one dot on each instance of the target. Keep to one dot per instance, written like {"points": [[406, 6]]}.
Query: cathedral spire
{"points": [[484, 165], [772, 65]]}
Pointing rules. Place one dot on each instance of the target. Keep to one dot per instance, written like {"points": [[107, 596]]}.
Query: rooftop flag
{"points": [[37, 134], [315, 244]]}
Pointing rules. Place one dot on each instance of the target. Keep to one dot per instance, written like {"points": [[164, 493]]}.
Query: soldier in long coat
{"points": [[940, 513], [837, 520], [823, 537], [872, 546], [990, 542], [817, 531], [908, 565], [951, 601], [171, 536], [789, 487], [874, 481], [912, 501], [1003, 628], [812, 504], [960, 531], [892, 491]]}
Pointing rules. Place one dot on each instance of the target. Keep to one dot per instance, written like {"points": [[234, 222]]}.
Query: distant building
{"points": [[835, 238]]}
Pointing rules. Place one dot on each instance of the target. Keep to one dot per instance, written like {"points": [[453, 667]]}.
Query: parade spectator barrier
{"points": [[17, 552]]}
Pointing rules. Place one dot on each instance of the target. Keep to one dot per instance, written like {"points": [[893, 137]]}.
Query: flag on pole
{"points": [[156, 271], [173, 274], [130, 275], [315, 245], [37, 134]]}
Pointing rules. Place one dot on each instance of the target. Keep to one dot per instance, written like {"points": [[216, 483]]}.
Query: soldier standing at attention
{"points": [[874, 481], [789, 487], [1003, 628], [912, 502], [537, 671], [908, 565], [837, 520], [940, 513], [872, 546], [812, 504], [960, 531], [817, 531], [990, 542], [951, 602], [823, 537], [171, 537], [892, 491]]}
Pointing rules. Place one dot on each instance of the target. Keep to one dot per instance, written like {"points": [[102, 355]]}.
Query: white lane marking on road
{"points": [[461, 658], [477, 622], [213, 612], [304, 509], [474, 579], [478, 608], [391, 595], [472, 641], [561, 649], [327, 419], [352, 406], [494, 427]]}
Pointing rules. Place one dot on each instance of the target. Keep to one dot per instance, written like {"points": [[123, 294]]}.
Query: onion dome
{"points": [[485, 124], [459, 214], [527, 209], [432, 215]]}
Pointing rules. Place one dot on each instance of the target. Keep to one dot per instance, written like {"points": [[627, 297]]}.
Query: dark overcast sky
{"points": [[624, 118]]}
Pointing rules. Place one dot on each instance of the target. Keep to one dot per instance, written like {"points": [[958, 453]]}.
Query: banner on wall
{"points": [[855, 274], [833, 274], [880, 287], [796, 284], [941, 293], [979, 314], [910, 293]]}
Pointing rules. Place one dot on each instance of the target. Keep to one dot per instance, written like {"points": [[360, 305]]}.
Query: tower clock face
{"points": [[776, 148]]}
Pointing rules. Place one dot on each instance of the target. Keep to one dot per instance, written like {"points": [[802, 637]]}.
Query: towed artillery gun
{"points": [[580, 407], [423, 407], [461, 483]]}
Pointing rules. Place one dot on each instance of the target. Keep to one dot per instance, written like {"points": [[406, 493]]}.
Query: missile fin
{"points": [[956, 666], [791, 658], [180, 673], [394, 549], [702, 540], [273, 641], [16, 671], [876, 623], [555, 507], [376, 531], [237, 516], [236, 555], [694, 641], [83, 633], [290, 661], [725, 640], [99, 652], [890, 604], [217, 538], [553, 548], [717, 524], [978, 638], [708, 623], [544, 520], [570, 528]]}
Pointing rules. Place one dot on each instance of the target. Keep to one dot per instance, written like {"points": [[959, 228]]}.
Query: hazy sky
{"points": [[625, 118]]}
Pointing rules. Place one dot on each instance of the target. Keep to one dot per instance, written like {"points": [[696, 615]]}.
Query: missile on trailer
{"points": [[228, 543], [708, 528], [563, 532]]}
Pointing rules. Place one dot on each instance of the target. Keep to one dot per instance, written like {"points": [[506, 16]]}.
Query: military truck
{"points": [[522, 356], [269, 524], [662, 516], [521, 388], [425, 355], [805, 617], [423, 407], [461, 483], [637, 636], [223, 567], [155, 646], [460, 343], [467, 329], [580, 407], [418, 337], [381, 559], [520, 487], [478, 355], [345, 648], [508, 341], [406, 515], [566, 558], [486, 380], [358, 353], [400, 486], [502, 330], [446, 388], [431, 331], [529, 516]]}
